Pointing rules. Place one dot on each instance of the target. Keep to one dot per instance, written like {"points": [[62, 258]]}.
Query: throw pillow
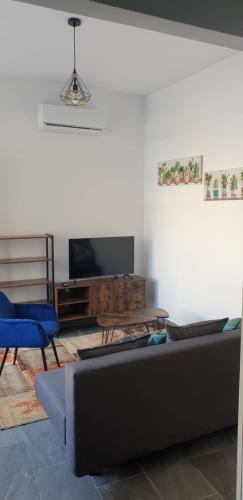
{"points": [[124, 344], [195, 329], [232, 324], [157, 338]]}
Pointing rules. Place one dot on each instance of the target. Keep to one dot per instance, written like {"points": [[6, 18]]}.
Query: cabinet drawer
{"points": [[102, 299], [129, 295]]}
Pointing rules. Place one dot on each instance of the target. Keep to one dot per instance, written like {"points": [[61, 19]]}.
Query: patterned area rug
{"points": [[18, 404]]}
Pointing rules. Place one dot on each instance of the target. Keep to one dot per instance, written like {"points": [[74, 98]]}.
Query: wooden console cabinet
{"points": [[88, 298]]}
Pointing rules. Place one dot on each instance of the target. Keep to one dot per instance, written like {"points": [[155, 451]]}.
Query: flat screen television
{"points": [[90, 257]]}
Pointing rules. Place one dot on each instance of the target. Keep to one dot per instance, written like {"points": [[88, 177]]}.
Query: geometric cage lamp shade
{"points": [[75, 92]]}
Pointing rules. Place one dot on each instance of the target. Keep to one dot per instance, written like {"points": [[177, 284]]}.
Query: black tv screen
{"points": [[89, 257]]}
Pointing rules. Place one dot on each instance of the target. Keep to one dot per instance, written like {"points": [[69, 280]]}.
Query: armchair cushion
{"points": [[6, 307], [22, 333]]}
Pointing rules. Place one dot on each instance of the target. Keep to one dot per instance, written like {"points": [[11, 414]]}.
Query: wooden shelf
{"points": [[73, 317], [25, 237], [36, 301], [19, 283], [67, 302], [24, 260]]}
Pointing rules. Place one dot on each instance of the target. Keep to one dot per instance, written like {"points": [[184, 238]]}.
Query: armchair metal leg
{"points": [[55, 353], [44, 358], [15, 355], [4, 359]]}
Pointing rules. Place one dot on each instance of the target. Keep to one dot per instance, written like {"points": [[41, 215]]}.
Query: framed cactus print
{"points": [[223, 185], [181, 171]]}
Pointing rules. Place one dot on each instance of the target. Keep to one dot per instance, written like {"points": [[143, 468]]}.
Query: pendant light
{"points": [[75, 92]]}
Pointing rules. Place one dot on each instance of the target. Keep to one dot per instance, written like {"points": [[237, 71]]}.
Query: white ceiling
{"points": [[36, 43]]}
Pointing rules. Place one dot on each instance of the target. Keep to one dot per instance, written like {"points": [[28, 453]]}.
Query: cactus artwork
{"points": [[223, 185], [181, 171]]}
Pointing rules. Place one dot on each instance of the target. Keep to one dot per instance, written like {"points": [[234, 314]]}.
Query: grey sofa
{"points": [[121, 406]]}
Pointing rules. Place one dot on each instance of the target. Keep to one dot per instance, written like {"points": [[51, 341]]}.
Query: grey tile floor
{"points": [[33, 467]]}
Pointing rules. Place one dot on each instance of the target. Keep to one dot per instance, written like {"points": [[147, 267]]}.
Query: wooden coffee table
{"points": [[127, 319], [159, 313]]}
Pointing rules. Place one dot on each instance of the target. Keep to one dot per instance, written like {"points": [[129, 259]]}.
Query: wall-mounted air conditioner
{"points": [[68, 119]]}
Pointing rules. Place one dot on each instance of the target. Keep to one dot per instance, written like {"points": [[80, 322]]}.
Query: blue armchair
{"points": [[27, 325]]}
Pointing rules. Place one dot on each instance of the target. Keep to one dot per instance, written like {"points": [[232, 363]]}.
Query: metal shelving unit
{"points": [[48, 281]]}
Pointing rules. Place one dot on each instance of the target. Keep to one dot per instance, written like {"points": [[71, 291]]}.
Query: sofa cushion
{"points": [[50, 391], [124, 344], [195, 329], [157, 338], [232, 324]]}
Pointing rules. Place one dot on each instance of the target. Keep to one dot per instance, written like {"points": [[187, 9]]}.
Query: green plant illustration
{"points": [[161, 172], [177, 177], [181, 172], [161, 168], [191, 169], [173, 172], [177, 166], [208, 179], [216, 187], [233, 183], [224, 183], [186, 174], [224, 180], [241, 178], [168, 176], [196, 172]]}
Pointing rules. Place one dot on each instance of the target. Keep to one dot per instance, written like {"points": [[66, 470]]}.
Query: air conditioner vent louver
{"points": [[47, 124], [58, 118]]}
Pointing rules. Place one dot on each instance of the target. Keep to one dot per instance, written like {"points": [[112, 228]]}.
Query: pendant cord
{"points": [[74, 48]]}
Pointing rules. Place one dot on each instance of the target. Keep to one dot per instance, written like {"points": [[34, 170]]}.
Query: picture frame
{"points": [[181, 171]]}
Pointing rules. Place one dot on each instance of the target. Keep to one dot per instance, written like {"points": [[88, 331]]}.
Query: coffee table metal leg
{"points": [[112, 333], [124, 331], [105, 335], [147, 327]]}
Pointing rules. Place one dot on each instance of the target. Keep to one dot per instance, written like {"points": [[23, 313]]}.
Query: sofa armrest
{"points": [[170, 323], [38, 312], [22, 333]]}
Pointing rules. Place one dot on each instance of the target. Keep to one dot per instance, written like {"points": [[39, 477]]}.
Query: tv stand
{"points": [[90, 297]]}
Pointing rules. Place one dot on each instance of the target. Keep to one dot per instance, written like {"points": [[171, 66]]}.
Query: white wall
{"points": [[68, 185], [193, 248]]}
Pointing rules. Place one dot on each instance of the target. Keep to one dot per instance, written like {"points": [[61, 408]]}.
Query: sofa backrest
{"points": [[124, 405], [6, 307]]}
